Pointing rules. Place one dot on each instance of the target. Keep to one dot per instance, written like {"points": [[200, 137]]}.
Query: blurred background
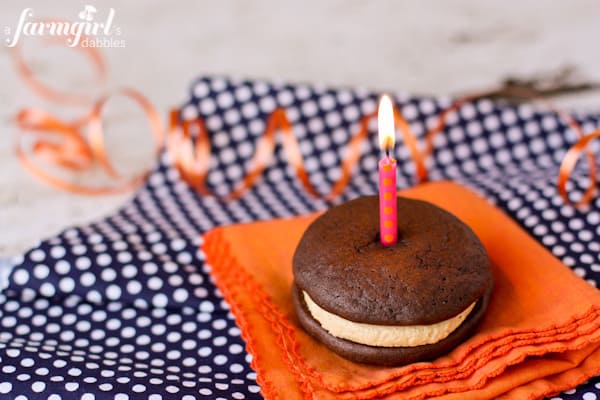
{"points": [[419, 47]]}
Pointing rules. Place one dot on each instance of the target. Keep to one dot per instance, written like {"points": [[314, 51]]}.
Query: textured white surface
{"points": [[423, 47]]}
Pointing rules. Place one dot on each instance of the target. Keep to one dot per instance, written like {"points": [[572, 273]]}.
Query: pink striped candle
{"points": [[388, 213]]}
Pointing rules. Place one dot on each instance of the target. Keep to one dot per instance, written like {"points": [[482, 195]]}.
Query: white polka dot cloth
{"points": [[124, 308]]}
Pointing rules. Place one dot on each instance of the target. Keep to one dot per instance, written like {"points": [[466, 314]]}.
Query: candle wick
{"points": [[387, 152]]}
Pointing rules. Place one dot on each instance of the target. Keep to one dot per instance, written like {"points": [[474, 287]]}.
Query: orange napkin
{"points": [[540, 334]]}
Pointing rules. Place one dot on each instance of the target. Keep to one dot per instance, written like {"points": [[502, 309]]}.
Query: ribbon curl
{"points": [[568, 164], [63, 144], [191, 160], [569, 160], [191, 156], [52, 94]]}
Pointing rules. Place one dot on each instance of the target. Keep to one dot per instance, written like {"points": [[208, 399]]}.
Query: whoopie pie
{"points": [[390, 305]]}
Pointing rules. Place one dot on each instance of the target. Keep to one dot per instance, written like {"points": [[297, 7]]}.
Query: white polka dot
{"points": [[124, 257], [189, 112], [302, 92], [5, 387], [160, 300], [180, 295], [37, 255], [103, 260], [207, 306], [9, 369], [62, 267], [204, 351], [201, 89], [83, 263], [150, 268], [580, 272], [27, 362], [38, 387], [351, 113], [267, 104], [139, 388], [41, 271], [236, 368], [593, 218], [172, 389], [220, 359], [207, 106], [47, 289], [155, 283], [94, 296], [66, 285], [78, 249], [108, 274], [113, 292], [219, 324], [134, 287], [254, 388], [129, 271], [87, 279], [57, 252], [23, 377], [21, 276]]}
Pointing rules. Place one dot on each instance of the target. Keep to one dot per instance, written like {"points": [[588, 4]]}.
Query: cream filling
{"points": [[385, 335]]}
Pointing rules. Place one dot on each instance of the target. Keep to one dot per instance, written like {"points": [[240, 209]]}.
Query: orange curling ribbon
{"points": [[191, 160], [191, 156], [265, 147], [52, 94], [63, 145], [410, 140], [570, 158], [568, 164]]}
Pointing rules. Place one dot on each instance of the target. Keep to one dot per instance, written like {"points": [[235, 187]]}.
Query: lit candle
{"points": [[388, 214]]}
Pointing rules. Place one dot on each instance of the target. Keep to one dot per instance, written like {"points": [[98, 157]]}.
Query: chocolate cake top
{"points": [[436, 270]]}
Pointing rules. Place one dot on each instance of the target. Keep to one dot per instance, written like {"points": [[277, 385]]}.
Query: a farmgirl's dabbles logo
{"points": [[85, 32]]}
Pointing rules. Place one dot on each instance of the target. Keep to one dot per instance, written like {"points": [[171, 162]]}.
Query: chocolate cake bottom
{"points": [[388, 356]]}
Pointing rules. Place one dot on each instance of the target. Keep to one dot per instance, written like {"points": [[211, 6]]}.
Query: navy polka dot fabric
{"points": [[124, 308]]}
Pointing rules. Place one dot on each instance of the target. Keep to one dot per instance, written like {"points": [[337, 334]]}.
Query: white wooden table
{"points": [[423, 47]]}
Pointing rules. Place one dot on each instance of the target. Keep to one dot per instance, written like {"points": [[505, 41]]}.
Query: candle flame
{"points": [[385, 119]]}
